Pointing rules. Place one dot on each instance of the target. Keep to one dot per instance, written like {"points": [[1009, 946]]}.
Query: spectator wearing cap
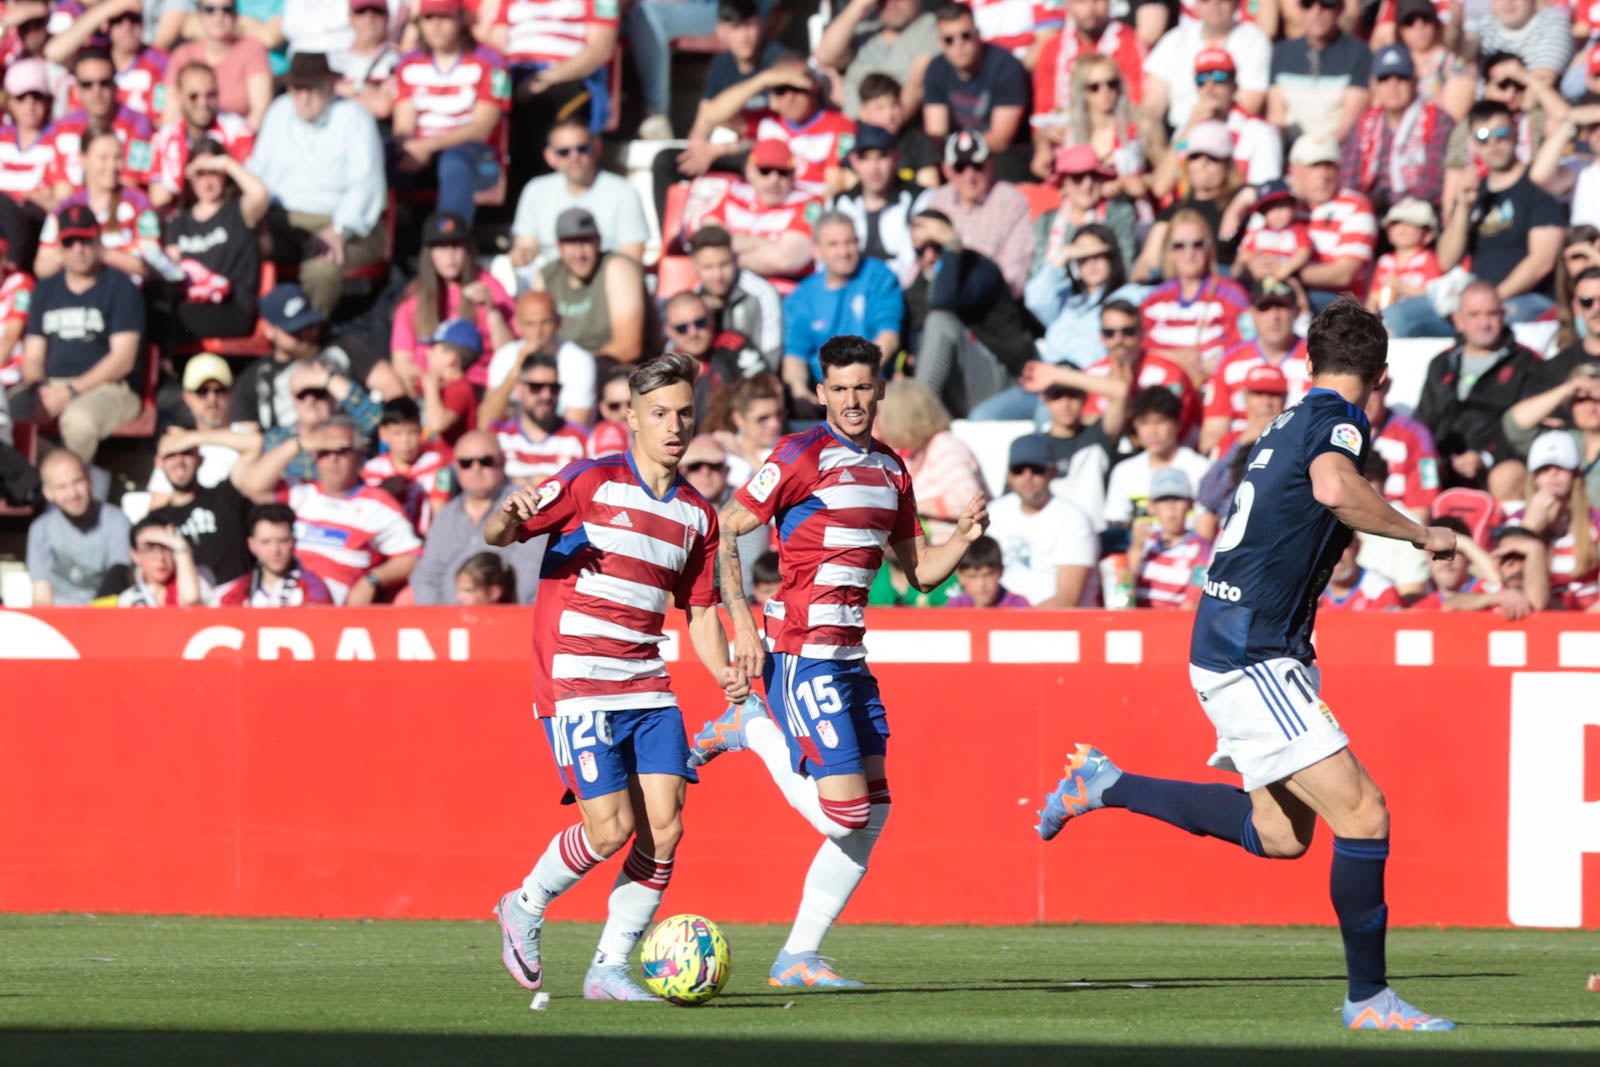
{"points": [[1211, 187], [94, 77], [990, 217], [1397, 147], [1257, 147], [536, 440], [1086, 200], [882, 201], [1166, 559], [573, 154], [1170, 91], [1320, 80], [214, 241], [1089, 30], [978, 88], [1444, 77], [600, 295], [130, 230], [1275, 348], [81, 360], [1048, 543], [1066, 294], [451, 99], [539, 331], [768, 218], [853, 294], [1155, 415], [1410, 264], [450, 284], [26, 152], [1275, 251], [1573, 178], [209, 518], [449, 403], [723, 358], [1542, 37], [1264, 391], [201, 118], [1574, 401], [882, 106], [1083, 449], [1559, 512], [243, 67], [818, 138], [1094, 114], [325, 219], [367, 60], [867, 37], [207, 392], [740, 300], [76, 542]]}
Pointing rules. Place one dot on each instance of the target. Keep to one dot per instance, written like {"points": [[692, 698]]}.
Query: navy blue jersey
{"points": [[1278, 545]]}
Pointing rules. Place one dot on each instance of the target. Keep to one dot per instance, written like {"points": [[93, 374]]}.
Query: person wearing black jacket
{"points": [[970, 335], [1468, 389]]}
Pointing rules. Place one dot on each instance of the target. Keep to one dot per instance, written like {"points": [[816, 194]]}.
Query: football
{"points": [[686, 959]]}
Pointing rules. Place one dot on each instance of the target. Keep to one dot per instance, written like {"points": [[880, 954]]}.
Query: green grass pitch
{"points": [[77, 989]]}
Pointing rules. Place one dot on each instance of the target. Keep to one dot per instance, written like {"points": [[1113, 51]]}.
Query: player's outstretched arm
{"points": [[928, 566], [711, 645], [1340, 488], [733, 522]]}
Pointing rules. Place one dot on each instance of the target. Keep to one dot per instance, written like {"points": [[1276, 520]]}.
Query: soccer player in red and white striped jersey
{"points": [[629, 540], [838, 498]]}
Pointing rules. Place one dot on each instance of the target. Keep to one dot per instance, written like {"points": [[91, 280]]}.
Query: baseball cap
{"points": [[1211, 59], [1031, 450], [1555, 448], [1274, 192], [77, 220], [1265, 293], [1391, 60], [1407, 8], [576, 224], [1594, 61], [28, 76], [1313, 148], [1170, 482], [966, 147], [1209, 139], [1265, 378], [1080, 159], [289, 309], [608, 438], [309, 68], [204, 368], [462, 333], [869, 137], [772, 154], [444, 228], [1417, 212]]}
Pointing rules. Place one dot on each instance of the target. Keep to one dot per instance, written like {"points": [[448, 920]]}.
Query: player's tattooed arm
{"points": [[734, 522]]}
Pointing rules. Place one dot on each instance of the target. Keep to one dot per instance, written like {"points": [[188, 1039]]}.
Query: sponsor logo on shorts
{"points": [[587, 766], [825, 732], [765, 481], [1223, 591], [1347, 437], [1327, 713]]}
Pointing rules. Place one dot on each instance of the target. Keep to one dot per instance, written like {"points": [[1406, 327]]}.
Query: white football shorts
{"points": [[1269, 718]]}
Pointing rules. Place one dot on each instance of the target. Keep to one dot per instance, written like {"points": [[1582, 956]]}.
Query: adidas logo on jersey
{"points": [[846, 478], [621, 519]]}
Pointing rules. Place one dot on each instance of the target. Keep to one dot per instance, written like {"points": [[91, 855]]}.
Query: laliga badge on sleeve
{"points": [[1347, 437], [546, 493], [765, 481]]}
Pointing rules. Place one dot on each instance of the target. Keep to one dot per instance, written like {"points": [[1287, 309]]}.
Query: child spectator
{"points": [[449, 402], [1405, 272], [979, 575], [163, 573], [1558, 510], [882, 106], [413, 471], [1274, 252], [486, 579], [765, 580], [1167, 560]]}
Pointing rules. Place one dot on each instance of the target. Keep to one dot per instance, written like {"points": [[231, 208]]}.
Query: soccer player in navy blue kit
{"points": [[1251, 663]]}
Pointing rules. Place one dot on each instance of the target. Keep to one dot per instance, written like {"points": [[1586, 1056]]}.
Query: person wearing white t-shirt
{"points": [[1169, 87], [538, 329], [1048, 544], [207, 392], [1154, 416]]}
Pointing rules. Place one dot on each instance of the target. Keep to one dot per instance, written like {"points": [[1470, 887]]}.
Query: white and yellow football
{"points": [[685, 959]]}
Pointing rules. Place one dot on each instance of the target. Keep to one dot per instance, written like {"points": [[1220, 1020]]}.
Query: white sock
{"points": [[634, 899], [768, 742], [564, 863], [833, 877]]}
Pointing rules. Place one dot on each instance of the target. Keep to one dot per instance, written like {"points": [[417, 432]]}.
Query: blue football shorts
{"points": [[598, 751], [829, 710]]}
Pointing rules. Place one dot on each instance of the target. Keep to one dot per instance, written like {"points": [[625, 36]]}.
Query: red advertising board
{"points": [[383, 762]]}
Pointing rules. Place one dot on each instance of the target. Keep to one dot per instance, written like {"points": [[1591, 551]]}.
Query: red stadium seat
{"points": [[1042, 199], [144, 423], [672, 218], [1480, 511], [705, 46], [674, 275]]}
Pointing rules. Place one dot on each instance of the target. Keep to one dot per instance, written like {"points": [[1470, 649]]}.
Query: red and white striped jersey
{"points": [[836, 508], [428, 482], [66, 139], [141, 86], [171, 147], [1225, 393], [821, 143], [733, 205], [1372, 592], [1052, 75], [1419, 267], [1171, 576], [1011, 24], [1209, 321], [1280, 244], [1343, 228], [528, 460], [1153, 370], [548, 31], [1568, 589], [133, 224], [24, 168], [340, 538], [618, 558], [16, 297], [1407, 447], [444, 99]]}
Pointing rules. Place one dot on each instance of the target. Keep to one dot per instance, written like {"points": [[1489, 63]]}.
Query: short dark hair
{"points": [[86, 54], [1484, 110], [658, 373], [402, 409], [1121, 307], [1494, 59], [1453, 522], [847, 350], [1587, 274], [950, 11], [984, 552], [710, 237], [1155, 400], [1346, 338], [536, 361], [765, 568], [276, 514], [149, 522], [737, 10], [932, 213], [877, 84], [568, 122], [1376, 468]]}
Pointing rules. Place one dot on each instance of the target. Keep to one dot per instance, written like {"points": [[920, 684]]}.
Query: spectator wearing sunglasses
{"points": [[26, 155], [990, 216], [1584, 351], [318, 395], [1535, 108], [243, 68], [119, 26], [1066, 295], [1170, 91], [1089, 30], [818, 138], [705, 467], [538, 330], [207, 391], [975, 87], [865, 37], [723, 358], [1319, 81], [1541, 37], [457, 531], [1257, 148], [1048, 543], [1575, 179], [536, 441], [203, 119], [94, 77], [767, 217]]}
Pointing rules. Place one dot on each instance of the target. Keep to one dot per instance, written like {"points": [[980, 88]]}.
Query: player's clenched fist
{"points": [[1440, 542], [974, 519], [517, 508], [735, 685]]}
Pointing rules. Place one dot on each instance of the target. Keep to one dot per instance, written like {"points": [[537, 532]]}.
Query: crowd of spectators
{"points": [[1111, 221]]}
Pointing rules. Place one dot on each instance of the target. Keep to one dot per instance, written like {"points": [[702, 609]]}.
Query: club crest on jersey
{"points": [[587, 766], [826, 732], [1347, 437], [546, 493], [765, 481]]}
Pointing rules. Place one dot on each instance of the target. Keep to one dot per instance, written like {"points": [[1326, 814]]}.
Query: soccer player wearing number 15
{"points": [[1251, 663], [838, 498], [629, 538]]}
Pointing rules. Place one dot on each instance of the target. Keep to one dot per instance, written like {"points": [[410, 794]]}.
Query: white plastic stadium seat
{"points": [[991, 443], [1408, 367]]}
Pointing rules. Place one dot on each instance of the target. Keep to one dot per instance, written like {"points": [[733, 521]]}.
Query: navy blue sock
{"points": [[1205, 809], [1356, 886]]}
